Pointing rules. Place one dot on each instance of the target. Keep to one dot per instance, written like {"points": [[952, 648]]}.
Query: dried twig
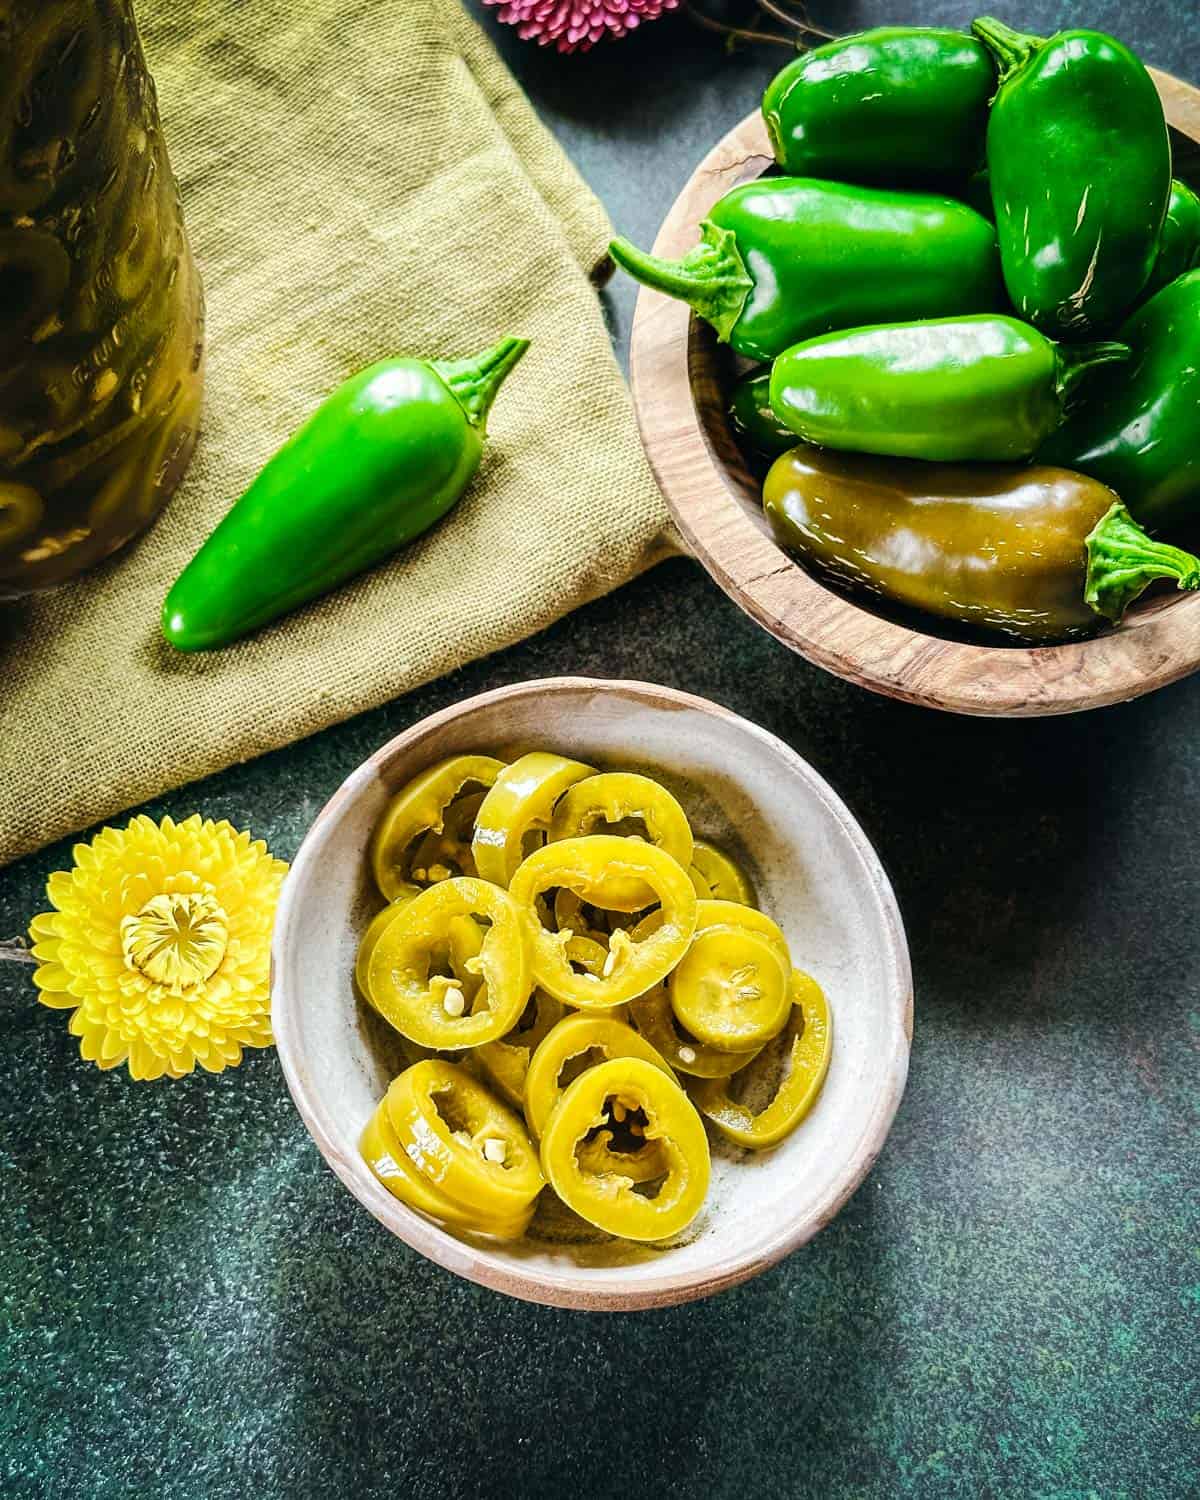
{"points": [[734, 34], [15, 952], [793, 17]]}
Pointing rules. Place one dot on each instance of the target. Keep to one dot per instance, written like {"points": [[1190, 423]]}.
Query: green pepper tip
{"points": [[184, 622], [1123, 559], [175, 629]]}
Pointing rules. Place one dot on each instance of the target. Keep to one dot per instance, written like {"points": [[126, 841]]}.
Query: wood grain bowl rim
{"points": [[490, 1268], [1157, 645]]}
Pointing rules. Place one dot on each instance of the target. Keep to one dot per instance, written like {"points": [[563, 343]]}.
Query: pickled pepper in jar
{"points": [[101, 328]]}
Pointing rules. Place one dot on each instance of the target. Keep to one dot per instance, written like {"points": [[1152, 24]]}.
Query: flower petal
{"points": [[52, 977], [58, 999], [44, 925], [89, 1047]]}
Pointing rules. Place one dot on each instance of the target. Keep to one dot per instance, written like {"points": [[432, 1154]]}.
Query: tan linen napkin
{"points": [[360, 178]]}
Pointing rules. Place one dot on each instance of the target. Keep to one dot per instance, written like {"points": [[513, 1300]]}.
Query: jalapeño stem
{"points": [[1123, 559], [474, 382], [1010, 48], [1076, 361], [712, 279]]}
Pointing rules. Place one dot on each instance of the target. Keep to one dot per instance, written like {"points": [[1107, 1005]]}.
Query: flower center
{"points": [[178, 939]]}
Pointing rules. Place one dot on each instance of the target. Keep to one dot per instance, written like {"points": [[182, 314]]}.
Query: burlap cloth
{"points": [[360, 178]]}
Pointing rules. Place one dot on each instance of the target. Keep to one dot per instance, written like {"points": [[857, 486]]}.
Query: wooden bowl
{"points": [[681, 380], [814, 871]]}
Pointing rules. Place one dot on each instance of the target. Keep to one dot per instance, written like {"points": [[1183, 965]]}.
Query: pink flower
{"points": [[577, 24]]}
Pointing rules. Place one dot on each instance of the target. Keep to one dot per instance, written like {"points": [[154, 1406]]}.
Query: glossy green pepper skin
{"points": [[784, 258], [1080, 166], [987, 388], [1037, 554], [376, 464], [1179, 244], [753, 418], [895, 105], [1139, 432]]}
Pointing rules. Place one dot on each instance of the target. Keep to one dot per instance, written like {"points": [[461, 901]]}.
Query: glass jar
{"points": [[101, 309]]}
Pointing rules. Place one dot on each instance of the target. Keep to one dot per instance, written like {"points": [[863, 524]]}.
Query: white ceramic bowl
{"points": [[815, 873]]}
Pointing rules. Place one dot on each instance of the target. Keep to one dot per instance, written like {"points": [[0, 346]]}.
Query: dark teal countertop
{"points": [[192, 1305]]}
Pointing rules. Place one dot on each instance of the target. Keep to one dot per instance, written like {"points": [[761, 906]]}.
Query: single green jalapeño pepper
{"points": [[1038, 554], [1080, 167], [784, 258], [956, 388], [753, 418], [1179, 243], [899, 104], [376, 464], [1140, 432]]}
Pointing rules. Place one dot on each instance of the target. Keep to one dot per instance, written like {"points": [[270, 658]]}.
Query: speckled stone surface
{"points": [[191, 1305]]}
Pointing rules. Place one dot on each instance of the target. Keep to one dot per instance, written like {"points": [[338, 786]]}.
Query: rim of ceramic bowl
{"points": [[587, 1288]]}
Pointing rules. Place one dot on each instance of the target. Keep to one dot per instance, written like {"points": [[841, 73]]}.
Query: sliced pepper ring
{"points": [[520, 802], [609, 1200], [588, 953], [464, 939], [449, 1124], [573, 1037], [592, 867], [723, 878], [808, 1039], [463, 944], [421, 1005], [597, 1155], [419, 807], [506, 1062], [446, 852], [651, 1013], [569, 913], [730, 989], [699, 884], [615, 797], [375, 930], [388, 1161], [720, 913]]}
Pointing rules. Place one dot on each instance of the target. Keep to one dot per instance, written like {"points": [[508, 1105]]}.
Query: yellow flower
{"points": [[160, 943]]}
